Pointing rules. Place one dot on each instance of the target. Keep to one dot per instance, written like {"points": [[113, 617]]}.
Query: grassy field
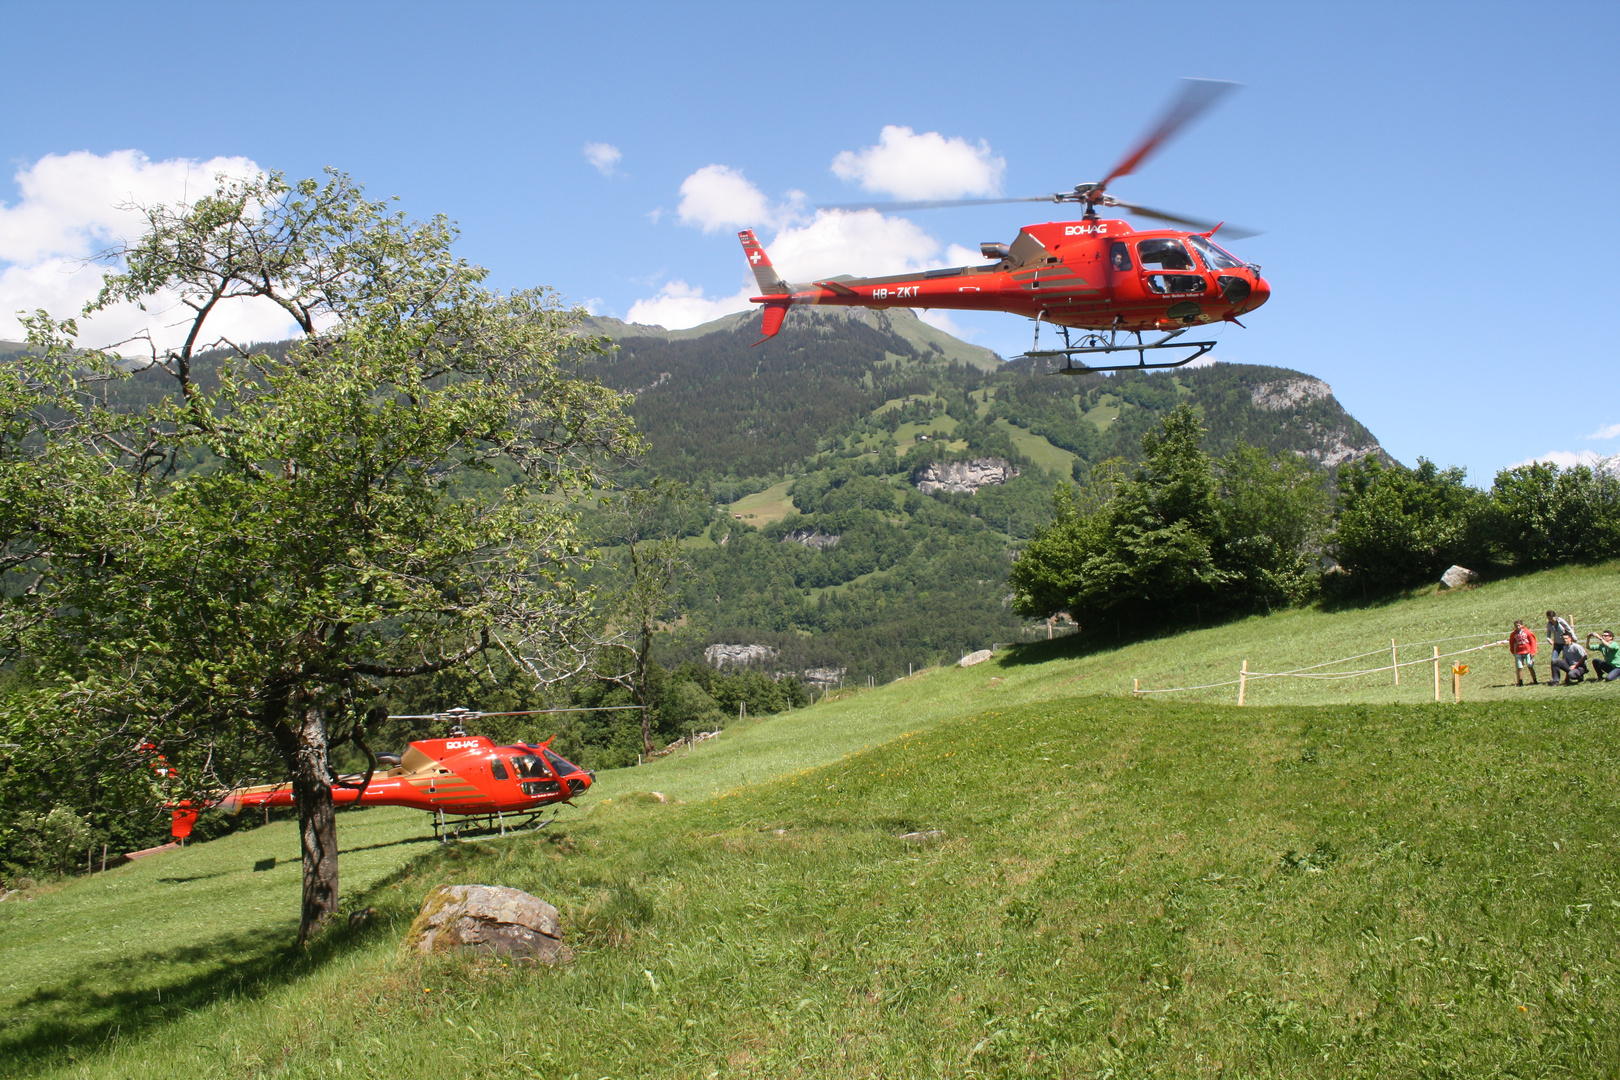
{"points": [[1340, 887], [1053, 459], [764, 507]]}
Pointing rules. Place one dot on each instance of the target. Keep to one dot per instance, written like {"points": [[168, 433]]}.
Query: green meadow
{"points": [[1339, 879]]}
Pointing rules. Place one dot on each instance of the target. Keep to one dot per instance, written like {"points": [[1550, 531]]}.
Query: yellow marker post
{"points": [[1243, 681], [1457, 672]]}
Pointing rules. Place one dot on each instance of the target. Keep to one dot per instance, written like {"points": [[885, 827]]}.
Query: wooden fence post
{"points": [[1243, 681], [1437, 673], [1395, 661], [1456, 685], [1136, 688]]}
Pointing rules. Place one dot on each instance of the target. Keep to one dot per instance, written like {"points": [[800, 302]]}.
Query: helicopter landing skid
{"points": [[1109, 343], [495, 827]]}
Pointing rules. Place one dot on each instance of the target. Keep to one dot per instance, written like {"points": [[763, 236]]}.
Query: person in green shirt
{"points": [[1606, 655]]}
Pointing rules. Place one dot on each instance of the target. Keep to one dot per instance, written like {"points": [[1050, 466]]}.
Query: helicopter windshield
{"points": [[562, 765], [1215, 256], [1164, 254]]}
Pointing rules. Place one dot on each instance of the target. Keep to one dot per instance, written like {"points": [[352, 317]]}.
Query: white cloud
{"points": [[927, 166], [863, 242], [1568, 459], [73, 206], [679, 305], [604, 157], [804, 248], [1607, 432], [941, 320], [718, 196], [833, 242]]}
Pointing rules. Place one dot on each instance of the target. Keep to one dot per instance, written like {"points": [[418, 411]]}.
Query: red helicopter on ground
{"points": [[1096, 275], [463, 774]]}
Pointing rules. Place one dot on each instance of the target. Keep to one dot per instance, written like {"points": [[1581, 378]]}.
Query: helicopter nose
{"points": [[1260, 293]]}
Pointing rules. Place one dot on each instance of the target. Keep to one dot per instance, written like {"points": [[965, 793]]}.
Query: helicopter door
{"points": [[1167, 269], [534, 776]]}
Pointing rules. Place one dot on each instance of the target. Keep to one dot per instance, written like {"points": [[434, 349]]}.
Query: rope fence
{"points": [[1245, 676], [1313, 671]]}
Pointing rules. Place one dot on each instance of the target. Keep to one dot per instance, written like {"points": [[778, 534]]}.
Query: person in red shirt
{"points": [[1522, 644]]}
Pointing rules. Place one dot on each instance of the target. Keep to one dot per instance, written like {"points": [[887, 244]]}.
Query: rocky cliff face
{"points": [[721, 655], [963, 477], [1289, 393], [812, 538]]}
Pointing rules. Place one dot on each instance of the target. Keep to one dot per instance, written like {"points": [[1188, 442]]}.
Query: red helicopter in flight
{"points": [[1096, 275]]}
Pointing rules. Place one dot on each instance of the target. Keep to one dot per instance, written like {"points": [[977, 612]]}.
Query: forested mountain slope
{"points": [[718, 407], [820, 543]]}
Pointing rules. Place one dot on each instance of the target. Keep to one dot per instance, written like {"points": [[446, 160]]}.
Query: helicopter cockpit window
{"points": [[529, 767], [1119, 255], [562, 765], [1215, 256], [497, 768], [1164, 254]]}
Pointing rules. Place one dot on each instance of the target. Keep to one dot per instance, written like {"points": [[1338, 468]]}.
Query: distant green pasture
{"points": [[764, 507]]}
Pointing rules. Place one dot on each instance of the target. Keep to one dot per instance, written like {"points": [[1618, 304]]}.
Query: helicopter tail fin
{"points": [[764, 273], [772, 321], [184, 819]]}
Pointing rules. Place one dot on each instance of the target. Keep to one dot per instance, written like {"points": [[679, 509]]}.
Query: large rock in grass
{"points": [[975, 658], [490, 919], [1457, 577]]}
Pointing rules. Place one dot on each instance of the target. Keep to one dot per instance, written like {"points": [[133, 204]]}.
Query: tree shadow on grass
{"points": [[130, 996]]}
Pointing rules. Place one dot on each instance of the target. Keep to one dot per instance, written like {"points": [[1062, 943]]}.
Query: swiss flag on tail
{"points": [[764, 273]]}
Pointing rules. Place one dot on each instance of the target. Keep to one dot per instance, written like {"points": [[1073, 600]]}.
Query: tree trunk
{"points": [[317, 823], [641, 685]]}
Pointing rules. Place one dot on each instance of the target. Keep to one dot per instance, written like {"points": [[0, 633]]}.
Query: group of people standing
{"points": [[1571, 661]]}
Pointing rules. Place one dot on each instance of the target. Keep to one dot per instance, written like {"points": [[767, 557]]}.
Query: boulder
{"points": [[490, 919], [1457, 577], [975, 658]]}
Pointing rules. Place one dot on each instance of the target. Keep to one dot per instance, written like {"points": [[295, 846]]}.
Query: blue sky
{"points": [[1430, 178]]}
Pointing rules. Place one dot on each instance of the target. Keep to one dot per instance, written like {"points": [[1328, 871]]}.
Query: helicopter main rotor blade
{"points": [[1232, 232], [935, 204], [1197, 95]]}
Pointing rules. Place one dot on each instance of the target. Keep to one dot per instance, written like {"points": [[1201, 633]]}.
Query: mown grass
{"points": [[1123, 888], [121, 952]]}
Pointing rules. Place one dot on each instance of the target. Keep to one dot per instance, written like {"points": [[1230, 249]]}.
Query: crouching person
{"points": [[1605, 655], [1570, 662]]}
